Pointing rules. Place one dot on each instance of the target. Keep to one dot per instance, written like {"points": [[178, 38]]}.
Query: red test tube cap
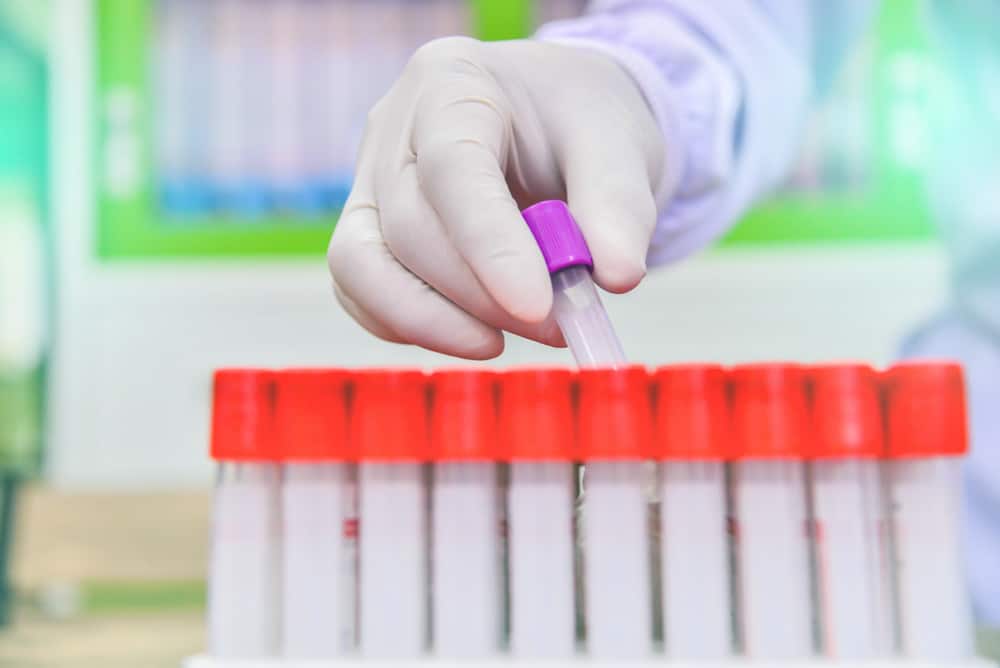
{"points": [[242, 416], [770, 412], [463, 415], [926, 410], [535, 415], [310, 414], [846, 413], [389, 415], [692, 413], [615, 414]]}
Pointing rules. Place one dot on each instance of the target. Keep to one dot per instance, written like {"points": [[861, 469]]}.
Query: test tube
{"points": [[319, 514], [555, 10], [692, 439], [535, 423], [576, 304], [389, 432], [614, 427], [244, 601], [849, 528], [770, 511], [180, 83], [333, 109], [287, 167], [465, 518], [927, 435], [237, 106]]}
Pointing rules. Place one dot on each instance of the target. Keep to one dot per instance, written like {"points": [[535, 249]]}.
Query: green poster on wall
{"points": [[857, 179]]}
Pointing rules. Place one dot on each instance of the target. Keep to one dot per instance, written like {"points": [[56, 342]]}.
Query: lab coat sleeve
{"points": [[729, 83]]}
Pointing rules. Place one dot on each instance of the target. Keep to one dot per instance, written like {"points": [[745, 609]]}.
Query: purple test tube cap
{"points": [[560, 240]]}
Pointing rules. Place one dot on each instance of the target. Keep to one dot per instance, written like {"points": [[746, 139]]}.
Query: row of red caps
{"points": [[783, 411]]}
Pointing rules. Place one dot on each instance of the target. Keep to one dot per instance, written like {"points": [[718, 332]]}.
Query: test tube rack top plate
{"points": [[803, 515], [205, 662]]}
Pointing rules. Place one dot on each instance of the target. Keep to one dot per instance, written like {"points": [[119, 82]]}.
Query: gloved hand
{"points": [[431, 248]]}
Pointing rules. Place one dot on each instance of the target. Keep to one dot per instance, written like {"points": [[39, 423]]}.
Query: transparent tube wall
{"points": [[392, 559], [318, 560], [583, 321], [465, 559], [934, 608], [773, 559], [616, 565], [695, 560], [851, 551], [244, 590], [540, 501]]}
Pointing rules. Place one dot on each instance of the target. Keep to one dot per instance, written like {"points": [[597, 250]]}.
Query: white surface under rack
{"points": [[659, 662]]}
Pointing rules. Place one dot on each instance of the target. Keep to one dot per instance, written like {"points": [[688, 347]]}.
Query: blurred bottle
{"points": [[289, 51], [179, 83], [23, 251], [336, 77], [555, 10], [236, 109], [23, 275]]}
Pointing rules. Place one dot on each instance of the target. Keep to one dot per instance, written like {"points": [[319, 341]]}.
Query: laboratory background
{"points": [[170, 174]]}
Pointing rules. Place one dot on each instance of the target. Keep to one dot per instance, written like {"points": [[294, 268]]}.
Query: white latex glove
{"points": [[431, 248]]}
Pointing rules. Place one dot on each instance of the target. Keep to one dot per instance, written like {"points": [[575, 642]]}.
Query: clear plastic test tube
{"points": [[849, 528], [614, 430], [319, 514], [244, 587], [693, 439], [389, 432], [576, 303], [537, 436], [285, 76], [771, 512], [465, 516], [229, 76], [180, 83], [927, 434]]}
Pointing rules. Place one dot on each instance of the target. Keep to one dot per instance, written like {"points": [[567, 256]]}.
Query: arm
{"points": [[730, 84]]}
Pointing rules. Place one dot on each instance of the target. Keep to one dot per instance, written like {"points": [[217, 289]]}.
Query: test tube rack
{"points": [[752, 514]]}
